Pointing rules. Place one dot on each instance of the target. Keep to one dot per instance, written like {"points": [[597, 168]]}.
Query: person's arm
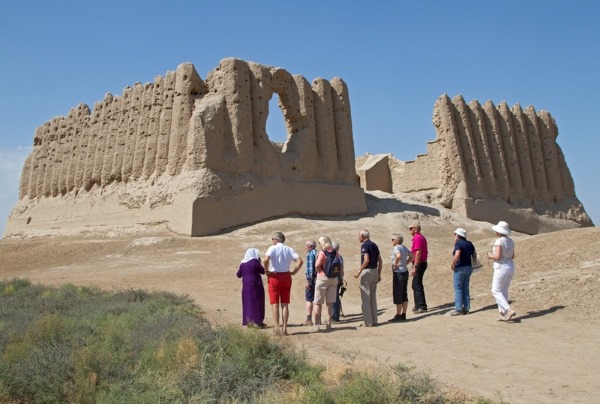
{"points": [[496, 254], [267, 262], [396, 260], [299, 263], [416, 260], [455, 259], [410, 258], [320, 261], [364, 265], [379, 266]]}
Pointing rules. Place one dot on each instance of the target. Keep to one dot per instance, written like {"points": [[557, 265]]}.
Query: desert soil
{"points": [[550, 353]]}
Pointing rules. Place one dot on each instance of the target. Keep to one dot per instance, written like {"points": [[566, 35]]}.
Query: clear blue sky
{"points": [[397, 57]]}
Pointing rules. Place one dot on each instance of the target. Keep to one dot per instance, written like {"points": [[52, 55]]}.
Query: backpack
{"points": [[333, 265]]}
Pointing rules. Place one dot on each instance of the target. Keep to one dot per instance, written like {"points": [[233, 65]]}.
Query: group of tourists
{"points": [[324, 275]]}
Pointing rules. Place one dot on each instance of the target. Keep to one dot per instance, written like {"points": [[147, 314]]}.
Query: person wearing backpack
{"points": [[328, 267]]}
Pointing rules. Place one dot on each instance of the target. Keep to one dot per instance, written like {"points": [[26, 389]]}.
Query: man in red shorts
{"points": [[277, 266]]}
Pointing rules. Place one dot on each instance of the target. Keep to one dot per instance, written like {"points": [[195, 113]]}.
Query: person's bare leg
{"points": [[404, 307], [317, 308], [309, 311], [285, 314], [275, 311], [330, 311]]}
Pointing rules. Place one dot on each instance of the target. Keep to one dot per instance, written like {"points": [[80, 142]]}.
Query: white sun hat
{"points": [[502, 228], [461, 232]]}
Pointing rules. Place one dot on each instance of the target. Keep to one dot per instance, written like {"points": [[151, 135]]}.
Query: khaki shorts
{"points": [[326, 290]]}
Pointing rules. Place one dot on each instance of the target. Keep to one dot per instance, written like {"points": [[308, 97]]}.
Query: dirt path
{"points": [[549, 354]]}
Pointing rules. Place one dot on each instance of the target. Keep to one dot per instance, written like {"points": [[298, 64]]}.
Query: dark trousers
{"points": [[337, 305], [417, 286]]}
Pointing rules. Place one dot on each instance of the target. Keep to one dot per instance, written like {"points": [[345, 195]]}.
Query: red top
{"points": [[419, 243]]}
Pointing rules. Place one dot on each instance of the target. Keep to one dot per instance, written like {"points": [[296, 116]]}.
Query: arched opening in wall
{"points": [[276, 128]]}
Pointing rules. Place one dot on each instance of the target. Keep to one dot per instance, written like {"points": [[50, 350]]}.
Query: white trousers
{"points": [[500, 284]]}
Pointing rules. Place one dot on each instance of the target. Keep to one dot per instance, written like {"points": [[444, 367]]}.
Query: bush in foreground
{"points": [[84, 345]]}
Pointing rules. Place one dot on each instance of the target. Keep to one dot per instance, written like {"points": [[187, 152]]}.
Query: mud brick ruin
{"points": [[488, 163], [194, 155]]}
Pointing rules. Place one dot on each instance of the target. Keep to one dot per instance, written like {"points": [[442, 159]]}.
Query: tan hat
{"points": [[415, 226], [461, 232], [502, 228]]}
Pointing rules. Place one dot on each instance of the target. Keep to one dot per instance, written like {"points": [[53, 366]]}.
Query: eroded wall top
{"points": [[205, 137]]}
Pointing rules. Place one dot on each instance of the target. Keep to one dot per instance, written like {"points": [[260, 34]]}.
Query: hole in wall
{"points": [[276, 128]]}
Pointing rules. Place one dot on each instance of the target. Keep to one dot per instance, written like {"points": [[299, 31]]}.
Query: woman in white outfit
{"points": [[504, 269]]}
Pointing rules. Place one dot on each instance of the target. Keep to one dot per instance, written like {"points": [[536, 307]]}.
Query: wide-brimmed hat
{"points": [[461, 232], [502, 228]]}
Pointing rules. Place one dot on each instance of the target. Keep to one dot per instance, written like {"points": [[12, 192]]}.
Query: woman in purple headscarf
{"points": [[253, 291]]}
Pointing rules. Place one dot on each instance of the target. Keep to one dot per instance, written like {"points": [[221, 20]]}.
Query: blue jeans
{"points": [[462, 297]]}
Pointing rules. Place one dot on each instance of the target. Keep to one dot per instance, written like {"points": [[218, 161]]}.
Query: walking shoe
{"points": [[403, 317], [465, 312], [501, 318], [455, 313], [420, 310], [396, 318], [510, 313], [308, 323]]}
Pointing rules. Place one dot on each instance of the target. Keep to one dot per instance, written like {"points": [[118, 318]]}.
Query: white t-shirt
{"points": [[280, 257], [506, 259]]}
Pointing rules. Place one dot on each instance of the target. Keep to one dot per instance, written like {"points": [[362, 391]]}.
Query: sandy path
{"points": [[550, 354]]}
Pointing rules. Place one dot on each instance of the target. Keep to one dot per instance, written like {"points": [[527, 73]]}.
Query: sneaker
{"points": [[308, 323], [415, 309], [455, 313], [420, 310], [465, 312], [510, 313]]}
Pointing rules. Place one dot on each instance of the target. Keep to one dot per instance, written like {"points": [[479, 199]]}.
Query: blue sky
{"points": [[397, 57]]}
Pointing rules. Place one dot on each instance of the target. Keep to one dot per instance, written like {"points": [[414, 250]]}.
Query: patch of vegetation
{"points": [[84, 345]]}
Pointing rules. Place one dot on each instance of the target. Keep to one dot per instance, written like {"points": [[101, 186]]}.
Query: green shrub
{"points": [[84, 345]]}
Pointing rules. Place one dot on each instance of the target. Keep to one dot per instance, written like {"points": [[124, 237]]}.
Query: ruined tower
{"points": [[194, 154]]}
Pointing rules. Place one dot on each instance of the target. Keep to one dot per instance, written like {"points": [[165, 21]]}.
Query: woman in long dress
{"points": [[253, 291]]}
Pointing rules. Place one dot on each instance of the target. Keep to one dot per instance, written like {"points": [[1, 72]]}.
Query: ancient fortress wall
{"points": [[193, 154], [495, 163]]}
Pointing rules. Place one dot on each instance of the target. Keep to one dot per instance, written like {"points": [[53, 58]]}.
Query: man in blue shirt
{"points": [[311, 276], [370, 275]]}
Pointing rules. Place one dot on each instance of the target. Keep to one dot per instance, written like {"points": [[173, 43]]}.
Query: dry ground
{"points": [[550, 353]]}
